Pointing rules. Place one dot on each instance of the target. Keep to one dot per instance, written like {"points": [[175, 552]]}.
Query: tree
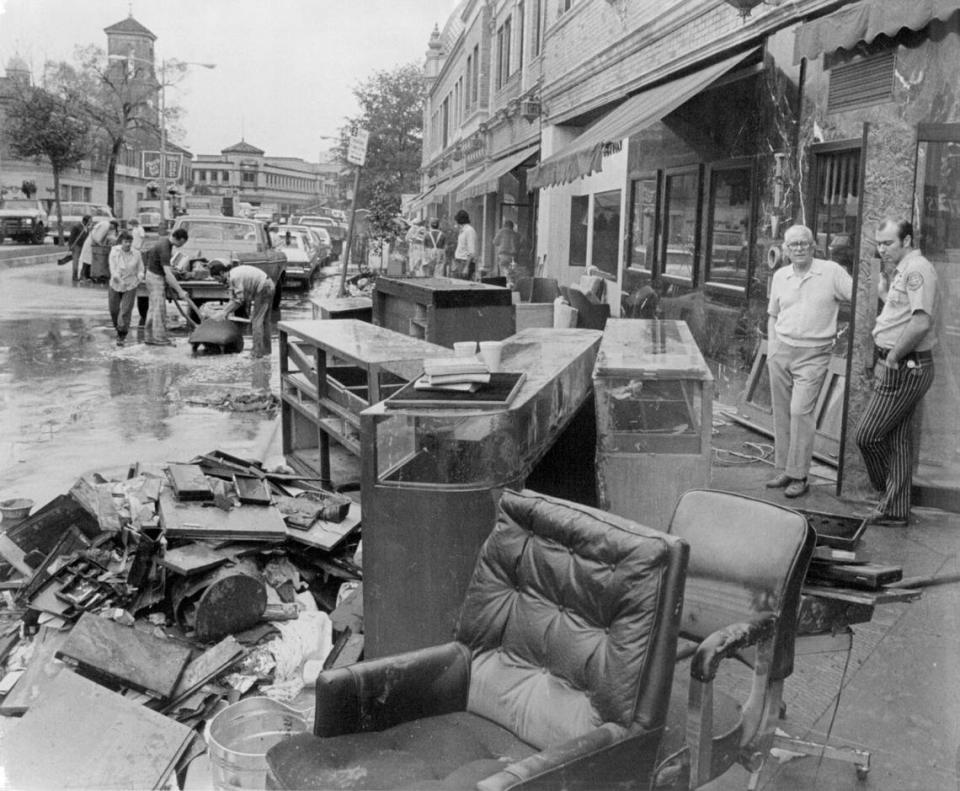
{"points": [[391, 110], [41, 124], [118, 98]]}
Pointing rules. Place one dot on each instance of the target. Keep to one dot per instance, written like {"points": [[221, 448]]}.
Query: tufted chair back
{"points": [[571, 621]]}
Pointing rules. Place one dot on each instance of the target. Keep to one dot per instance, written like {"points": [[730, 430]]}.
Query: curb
{"points": [[30, 260]]}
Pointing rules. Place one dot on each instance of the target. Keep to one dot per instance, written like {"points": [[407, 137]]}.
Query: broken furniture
{"points": [[654, 402], [431, 478], [81, 735], [359, 308], [329, 372], [443, 310], [592, 313], [558, 675], [748, 559], [537, 295]]}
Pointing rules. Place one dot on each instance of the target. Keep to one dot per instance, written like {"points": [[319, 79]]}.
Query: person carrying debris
{"points": [[252, 289]]}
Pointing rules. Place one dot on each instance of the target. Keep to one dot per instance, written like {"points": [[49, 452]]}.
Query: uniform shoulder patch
{"points": [[914, 281]]}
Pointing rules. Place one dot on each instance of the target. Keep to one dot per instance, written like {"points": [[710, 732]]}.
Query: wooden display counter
{"points": [[329, 372], [432, 477]]}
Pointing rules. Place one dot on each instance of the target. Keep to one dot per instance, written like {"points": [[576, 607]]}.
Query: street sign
{"points": [[357, 148], [152, 161]]}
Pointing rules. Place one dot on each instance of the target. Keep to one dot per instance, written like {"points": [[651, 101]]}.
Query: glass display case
{"points": [[654, 405], [431, 478]]}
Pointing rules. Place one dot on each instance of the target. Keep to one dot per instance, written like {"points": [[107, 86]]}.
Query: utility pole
{"points": [[357, 154]]}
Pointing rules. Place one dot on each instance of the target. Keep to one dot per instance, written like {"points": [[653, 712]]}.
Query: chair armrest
{"points": [[380, 693], [607, 757], [726, 642]]}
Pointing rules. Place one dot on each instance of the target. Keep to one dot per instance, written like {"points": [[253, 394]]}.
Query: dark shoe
{"points": [[778, 482], [796, 488], [119, 341], [881, 519]]}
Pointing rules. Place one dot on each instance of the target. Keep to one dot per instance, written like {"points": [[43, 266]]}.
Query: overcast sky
{"points": [[285, 69]]}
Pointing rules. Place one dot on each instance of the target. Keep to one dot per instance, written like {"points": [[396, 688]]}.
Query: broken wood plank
{"points": [[189, 482], [194, 558]]}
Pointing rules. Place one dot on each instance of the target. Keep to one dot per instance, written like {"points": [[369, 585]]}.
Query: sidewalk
{"points": [[900, 696]]}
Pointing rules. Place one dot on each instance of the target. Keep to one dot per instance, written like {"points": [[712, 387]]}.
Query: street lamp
{"points": [[163, 122]]}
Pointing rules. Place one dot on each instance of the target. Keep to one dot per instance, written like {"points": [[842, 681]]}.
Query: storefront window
{"points": [[643, 218], [680, 225], [728, 247], [579, 217], [606, 230], [937, 225]]}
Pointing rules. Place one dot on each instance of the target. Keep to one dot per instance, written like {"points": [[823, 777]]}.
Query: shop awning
{"points": [[584, 155], [451, 185], [419, 201], [865, 21], [488, 180]]}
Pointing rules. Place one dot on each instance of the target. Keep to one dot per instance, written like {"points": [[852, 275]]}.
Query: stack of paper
{"points": [[453, 373]]}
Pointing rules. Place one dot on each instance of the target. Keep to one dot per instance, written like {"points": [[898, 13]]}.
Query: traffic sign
{"points": [[357, 148]]}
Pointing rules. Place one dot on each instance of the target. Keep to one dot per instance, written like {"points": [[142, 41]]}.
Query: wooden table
{"points": [[343, 308], [329, 372]]}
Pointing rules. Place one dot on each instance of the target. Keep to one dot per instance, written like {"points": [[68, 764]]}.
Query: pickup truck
{"points": [[232, 240], [24, 220]]}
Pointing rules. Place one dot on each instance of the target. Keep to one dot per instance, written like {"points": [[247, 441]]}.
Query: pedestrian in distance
{"points": [[252, 289], [159, 275], [805, 297], [136, 230], [465, 257], [434, 244], [126, 273], [78, 235], [506, 244], [904, 337]]}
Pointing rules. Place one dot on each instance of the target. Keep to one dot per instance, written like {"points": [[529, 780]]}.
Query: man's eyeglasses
{"points": [[799, 245]]}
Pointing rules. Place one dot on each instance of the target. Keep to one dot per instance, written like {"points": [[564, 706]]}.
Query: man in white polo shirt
{"points": [[904, 337], [805, 297]]}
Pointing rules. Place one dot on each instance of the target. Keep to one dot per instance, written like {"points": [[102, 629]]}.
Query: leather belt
{"points": [[916, 356]]}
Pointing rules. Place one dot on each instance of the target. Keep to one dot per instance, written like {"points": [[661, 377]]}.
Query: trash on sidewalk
{"points": [[159, 598]]}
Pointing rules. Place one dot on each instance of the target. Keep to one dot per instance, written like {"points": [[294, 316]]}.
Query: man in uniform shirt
{"points": [[904, 337], [253, 289], [805, 297]]}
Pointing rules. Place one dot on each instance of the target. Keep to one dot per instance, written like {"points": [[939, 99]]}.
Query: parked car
{"points": [[232, 240], [303, 255], [24, 220], [319, 237], [72, 213], [337, 231]]}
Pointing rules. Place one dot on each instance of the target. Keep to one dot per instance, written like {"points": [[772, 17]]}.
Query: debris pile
{"points": [[158, 598]]}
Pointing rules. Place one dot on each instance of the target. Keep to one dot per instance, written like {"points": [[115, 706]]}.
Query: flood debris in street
{"points": [[144, 603]]}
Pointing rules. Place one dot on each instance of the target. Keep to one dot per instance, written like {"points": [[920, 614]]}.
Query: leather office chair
{"points": [[748, 560], [558, 677]]}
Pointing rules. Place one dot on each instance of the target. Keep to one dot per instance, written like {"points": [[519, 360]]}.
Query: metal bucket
{"points": [[240, 736], [14, 511]]}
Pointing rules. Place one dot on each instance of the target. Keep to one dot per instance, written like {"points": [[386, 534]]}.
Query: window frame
{"points": [[664, 213], [650, 271], [708, 209]]}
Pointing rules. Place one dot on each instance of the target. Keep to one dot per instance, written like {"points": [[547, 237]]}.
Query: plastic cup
{"points": [[464, 348], [490, 351]]}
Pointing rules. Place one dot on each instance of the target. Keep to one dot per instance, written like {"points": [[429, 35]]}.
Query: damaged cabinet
{"points": [[329, 372], [654, 403], [431, 479]]}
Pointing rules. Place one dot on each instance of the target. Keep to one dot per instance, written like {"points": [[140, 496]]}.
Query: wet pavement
{"points": [[72, 402]]}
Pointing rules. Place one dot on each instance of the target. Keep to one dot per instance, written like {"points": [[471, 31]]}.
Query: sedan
{"points": [[303, 255]]}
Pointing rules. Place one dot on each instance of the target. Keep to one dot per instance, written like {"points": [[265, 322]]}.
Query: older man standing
{"points": [[805, 297], [904, 337]]}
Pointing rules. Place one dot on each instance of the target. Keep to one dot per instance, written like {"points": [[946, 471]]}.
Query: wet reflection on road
{"points": [[72, 402]]}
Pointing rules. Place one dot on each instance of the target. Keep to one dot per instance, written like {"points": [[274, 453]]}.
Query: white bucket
{"points": [[240, 736]]}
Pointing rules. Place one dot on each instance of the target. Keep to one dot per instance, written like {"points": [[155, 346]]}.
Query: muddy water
{"points": [[72, 402]]}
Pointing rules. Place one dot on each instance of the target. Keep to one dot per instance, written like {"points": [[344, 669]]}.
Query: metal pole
{"points": [[348, 245], [163, 147]]}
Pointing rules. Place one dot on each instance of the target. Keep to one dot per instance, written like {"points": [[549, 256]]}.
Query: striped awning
{"points": [[584, 155], [419, 201], [866, 20], [451, 185], [488, 180]]}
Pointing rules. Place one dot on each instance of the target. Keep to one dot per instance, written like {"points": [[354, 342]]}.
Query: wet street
{"points": [[72, 402]]}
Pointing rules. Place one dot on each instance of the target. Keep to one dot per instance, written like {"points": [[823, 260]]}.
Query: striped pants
{"points": [[884, 435]]}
